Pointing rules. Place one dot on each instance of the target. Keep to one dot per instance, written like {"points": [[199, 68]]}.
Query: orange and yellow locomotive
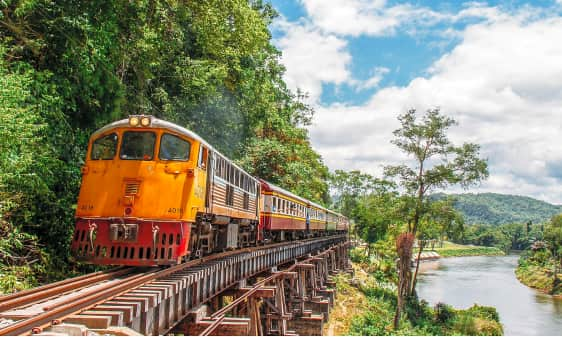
{"points": [[155, 193]]}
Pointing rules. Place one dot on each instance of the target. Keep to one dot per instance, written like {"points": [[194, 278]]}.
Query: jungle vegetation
{"points": [[70, 67]]}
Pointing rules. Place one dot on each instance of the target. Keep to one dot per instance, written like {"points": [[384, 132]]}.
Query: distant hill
{"points": [[498, 209]]}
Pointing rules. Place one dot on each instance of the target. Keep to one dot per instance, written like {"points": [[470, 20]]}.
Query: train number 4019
{"points": [[175, 210]]}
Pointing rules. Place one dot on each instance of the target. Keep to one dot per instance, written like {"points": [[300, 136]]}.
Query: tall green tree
{"points": [[436, 163]]}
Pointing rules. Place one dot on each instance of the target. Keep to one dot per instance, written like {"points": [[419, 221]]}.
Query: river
{"points": [[490, 280]]}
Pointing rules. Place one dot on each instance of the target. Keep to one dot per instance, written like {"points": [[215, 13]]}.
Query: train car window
{"points": [[203, 156], [138, 145], [104, 148], [229, 195], [246, 201], [173, 148]]}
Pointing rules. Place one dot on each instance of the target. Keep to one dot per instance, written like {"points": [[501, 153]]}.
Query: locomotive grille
{"points": [[132, 188]]}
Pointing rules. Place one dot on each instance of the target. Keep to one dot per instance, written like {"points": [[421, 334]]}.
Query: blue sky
{"points": [[406, 56], [492, 65]]}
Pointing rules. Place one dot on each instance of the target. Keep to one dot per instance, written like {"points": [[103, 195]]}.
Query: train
{"points": [[155, 193]]}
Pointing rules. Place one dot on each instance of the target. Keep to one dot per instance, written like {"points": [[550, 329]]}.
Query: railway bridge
{"points": [[280, 289]]}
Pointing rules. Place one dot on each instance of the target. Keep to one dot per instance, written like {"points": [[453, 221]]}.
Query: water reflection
{"points": [[490, 280]]}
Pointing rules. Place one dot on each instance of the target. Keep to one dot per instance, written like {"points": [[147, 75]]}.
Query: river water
{"points": [[490, 280]]}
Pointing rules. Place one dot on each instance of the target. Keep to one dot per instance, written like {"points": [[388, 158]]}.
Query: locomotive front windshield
{"points": [[104, 148], [173, 148], [138, 145]]}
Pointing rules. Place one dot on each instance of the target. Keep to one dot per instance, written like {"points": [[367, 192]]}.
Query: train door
{"points": [[307, 210], [201, 178], [210, 180]]}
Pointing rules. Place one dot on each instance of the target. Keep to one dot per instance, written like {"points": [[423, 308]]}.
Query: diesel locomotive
{"points": [[155, 193]]}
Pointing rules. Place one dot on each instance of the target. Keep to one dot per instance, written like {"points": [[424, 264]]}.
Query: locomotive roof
{"points": [[160, 123]]}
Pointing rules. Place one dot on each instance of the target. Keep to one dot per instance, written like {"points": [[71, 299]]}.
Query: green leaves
{"points": [[437, 163]]}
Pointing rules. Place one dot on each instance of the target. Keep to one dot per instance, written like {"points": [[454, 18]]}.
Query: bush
{"points": [[358, 255], [443, 312], [489, 313], [540, 257], [478, 321]]}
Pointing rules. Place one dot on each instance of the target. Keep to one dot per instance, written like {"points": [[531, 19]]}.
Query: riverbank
{"points": [[540, 278], [366, 304], [490, 280], [450, 249]]}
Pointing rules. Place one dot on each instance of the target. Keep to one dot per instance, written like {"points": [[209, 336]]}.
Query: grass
{"points": [[453, 249]]}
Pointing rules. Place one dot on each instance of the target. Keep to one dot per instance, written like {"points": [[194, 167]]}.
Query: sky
{"points": [[495, 67]]}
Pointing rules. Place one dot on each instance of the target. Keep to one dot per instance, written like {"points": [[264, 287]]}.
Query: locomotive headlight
{"points": [[133, 121], [145, 121]]}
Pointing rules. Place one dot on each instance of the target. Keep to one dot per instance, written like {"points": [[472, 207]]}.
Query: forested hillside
{"points": [[498, 209], [69, 67]]}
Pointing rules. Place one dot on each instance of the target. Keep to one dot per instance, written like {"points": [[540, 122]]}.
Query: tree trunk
{"points": [[404, 243], [413, 289], [404, 279]]}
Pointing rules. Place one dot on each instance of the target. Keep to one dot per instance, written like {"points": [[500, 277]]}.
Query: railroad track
{"points": [[31, 311], [28, 311]]}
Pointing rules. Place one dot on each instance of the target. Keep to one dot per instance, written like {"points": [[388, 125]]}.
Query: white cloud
{"points": [[356, 17], [373, 81], [503, 83], [312, 57]]}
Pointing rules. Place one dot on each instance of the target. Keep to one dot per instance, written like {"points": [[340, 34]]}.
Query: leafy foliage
{"points": [[69, 67], [437, 163], [499, 209], [541, 265]]}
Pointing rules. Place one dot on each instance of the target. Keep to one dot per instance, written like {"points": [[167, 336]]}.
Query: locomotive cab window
{"points": [[203, 156], [104, 148], [174, 148], [138, 145]]}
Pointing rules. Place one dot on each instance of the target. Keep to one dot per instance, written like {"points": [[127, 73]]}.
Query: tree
{"points": [[437, 163], [553, 236], [446, 220], [350, 187]]}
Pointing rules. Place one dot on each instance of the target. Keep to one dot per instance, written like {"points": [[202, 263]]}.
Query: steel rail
{"points": [[30, 296], [25, 326]]}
